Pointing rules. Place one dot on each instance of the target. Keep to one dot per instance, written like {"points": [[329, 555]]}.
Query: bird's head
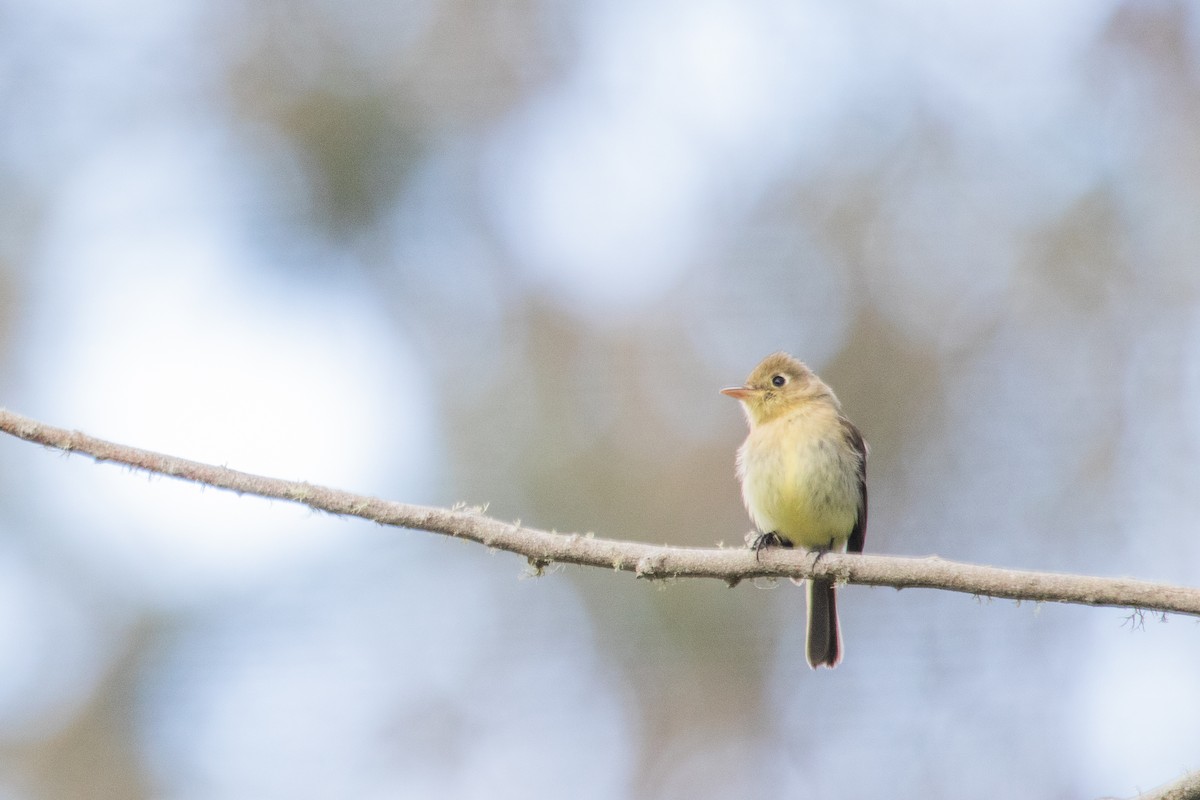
{"points": [[778, 385]]}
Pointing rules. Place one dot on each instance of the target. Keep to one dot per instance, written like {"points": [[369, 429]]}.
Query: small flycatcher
{"points": [[803, 470]]}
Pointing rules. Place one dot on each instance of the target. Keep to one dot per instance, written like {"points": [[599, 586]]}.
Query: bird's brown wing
{"points": [[858, 535]]}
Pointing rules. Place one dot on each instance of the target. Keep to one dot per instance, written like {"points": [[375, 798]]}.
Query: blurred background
{"points": [[506, 253]]}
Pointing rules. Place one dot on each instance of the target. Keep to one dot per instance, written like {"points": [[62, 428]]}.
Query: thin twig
{"points": [[542, 548]]}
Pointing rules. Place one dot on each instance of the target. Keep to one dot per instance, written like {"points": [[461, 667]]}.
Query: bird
{"points": [[803, 471]]}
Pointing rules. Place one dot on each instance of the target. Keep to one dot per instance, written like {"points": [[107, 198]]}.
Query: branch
{"points": [[1186, 788], [542, 548]]}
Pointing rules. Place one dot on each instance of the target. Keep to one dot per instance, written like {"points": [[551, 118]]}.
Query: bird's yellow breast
{"points": [[800, 478]]}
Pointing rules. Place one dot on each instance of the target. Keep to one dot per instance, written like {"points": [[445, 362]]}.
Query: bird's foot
{"points": [[771, 539]]}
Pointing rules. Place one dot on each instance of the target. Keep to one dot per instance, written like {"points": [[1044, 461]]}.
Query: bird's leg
{"points": [[820, 551], [771, 539]]}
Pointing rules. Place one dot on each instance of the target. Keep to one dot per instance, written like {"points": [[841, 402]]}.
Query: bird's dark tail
{"points": [[824, 644]]}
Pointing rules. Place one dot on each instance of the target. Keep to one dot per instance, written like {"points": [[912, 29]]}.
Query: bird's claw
{"points": [[771, 539]]}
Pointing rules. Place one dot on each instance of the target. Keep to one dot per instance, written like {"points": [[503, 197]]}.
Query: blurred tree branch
{"points": [[1186, 788], [543, 548]]}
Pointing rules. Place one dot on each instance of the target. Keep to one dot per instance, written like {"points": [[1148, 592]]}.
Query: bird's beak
{"points": [[738, 392]]}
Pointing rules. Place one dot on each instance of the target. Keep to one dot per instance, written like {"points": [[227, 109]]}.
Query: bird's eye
{"points": [[778, 380]]}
